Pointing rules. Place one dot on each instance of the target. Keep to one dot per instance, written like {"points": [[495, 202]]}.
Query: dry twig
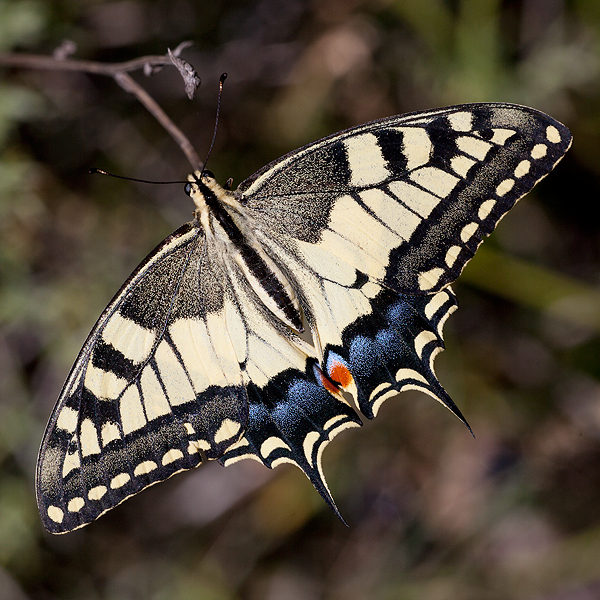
{"points": [[120, 73]]}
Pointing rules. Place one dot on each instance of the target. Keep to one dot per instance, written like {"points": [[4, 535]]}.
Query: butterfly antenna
{"points": [[214, 137], [94, 170]]}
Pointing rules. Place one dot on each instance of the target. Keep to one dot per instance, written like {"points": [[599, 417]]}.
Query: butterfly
{"points": [[325, 276]]}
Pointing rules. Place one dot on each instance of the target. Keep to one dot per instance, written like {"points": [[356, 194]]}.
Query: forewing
{"points": [[156, 387], [405, 200]]}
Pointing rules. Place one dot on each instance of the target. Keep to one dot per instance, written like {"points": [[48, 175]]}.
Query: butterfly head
{"points": [[202, 187], [196, 178]]}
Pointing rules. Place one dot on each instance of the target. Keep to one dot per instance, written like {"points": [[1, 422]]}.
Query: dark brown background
{"points": [[434, 514]]}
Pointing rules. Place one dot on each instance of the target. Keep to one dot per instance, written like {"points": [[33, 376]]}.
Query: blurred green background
{"points": [[433, 513]]}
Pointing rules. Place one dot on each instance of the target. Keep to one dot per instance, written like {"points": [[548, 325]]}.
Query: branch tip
{"points": [[61, 61], [190, 77]]}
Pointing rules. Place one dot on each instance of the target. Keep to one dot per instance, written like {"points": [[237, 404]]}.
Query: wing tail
{"points": [[291, 420]]}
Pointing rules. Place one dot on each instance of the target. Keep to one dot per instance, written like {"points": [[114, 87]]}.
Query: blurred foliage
{"points": [[434, 514]]}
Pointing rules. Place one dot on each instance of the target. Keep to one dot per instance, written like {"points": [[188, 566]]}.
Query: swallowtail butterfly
{"points": [[350, 242]]}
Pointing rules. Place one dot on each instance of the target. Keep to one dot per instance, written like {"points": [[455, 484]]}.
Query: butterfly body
{"points": [[225, 222], [326, 272]]}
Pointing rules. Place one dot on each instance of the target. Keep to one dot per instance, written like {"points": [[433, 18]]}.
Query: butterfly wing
{"points": [[162, 383], [370, 226], [375, 222], [408, 199]]}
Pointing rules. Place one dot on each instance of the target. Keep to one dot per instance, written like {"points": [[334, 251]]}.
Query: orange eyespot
{"points": [[340, 374]]}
